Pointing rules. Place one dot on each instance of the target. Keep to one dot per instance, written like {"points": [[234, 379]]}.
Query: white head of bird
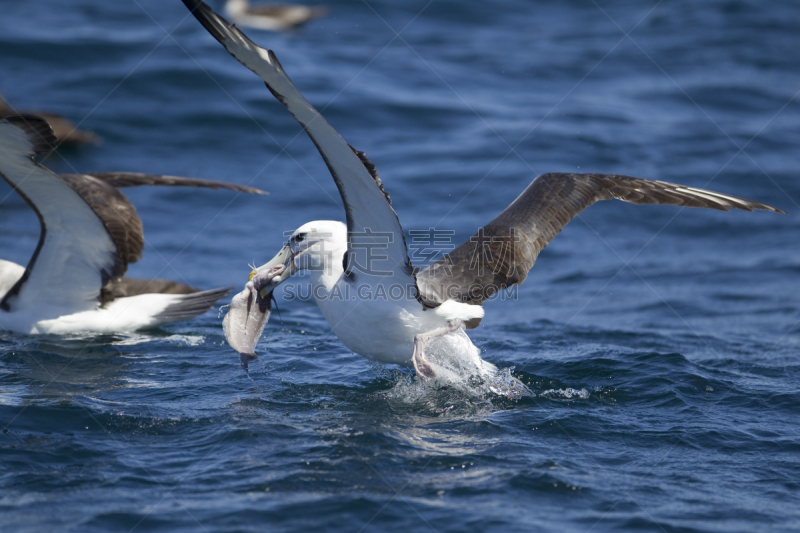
{"points": [[316, 247]]}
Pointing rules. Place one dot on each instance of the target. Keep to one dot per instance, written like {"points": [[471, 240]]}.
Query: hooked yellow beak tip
{"points": [[252, 275]]}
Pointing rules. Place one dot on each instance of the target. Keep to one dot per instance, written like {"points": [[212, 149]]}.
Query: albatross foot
{"points": [[421, 365]]}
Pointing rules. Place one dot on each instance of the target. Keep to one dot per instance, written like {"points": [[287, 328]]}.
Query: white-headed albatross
{"points": [[89, 233], [443, 298]]}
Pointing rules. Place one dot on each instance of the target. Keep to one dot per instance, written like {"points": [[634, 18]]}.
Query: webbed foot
{"points": [[421, 365]]}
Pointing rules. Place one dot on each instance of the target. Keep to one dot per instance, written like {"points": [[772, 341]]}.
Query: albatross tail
{"points": [[186, 306]]}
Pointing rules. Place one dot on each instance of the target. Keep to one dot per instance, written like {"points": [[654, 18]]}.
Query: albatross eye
{"points": [[299, 237]]}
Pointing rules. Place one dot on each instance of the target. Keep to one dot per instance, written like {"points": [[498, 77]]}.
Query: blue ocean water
{"points": [[661, 343]]}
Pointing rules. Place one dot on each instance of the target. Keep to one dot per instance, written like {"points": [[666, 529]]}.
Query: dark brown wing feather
{"points": [[137, 179], [118, 215], [503, 251], [65, 131], [39, 132]]}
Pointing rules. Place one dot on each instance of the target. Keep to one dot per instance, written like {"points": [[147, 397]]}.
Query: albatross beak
{"points": [[286, 258]]}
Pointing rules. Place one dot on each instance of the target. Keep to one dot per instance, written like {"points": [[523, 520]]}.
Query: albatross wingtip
{"points": [[210, 20]]}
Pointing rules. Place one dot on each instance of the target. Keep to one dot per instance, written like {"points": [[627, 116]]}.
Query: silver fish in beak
{"points": [[249, 310]]}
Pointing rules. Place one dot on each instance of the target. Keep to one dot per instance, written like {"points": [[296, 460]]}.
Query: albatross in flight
{"points": [[447, 296], [89, 233]]}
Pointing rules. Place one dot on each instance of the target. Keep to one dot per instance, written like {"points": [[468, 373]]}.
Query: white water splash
{"points": [[568, 393], [458, 367]]}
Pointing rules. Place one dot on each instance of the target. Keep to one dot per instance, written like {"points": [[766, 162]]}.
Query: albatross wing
{"points": [[371, 221], [503, 251], [120, 180], [75, 255]]}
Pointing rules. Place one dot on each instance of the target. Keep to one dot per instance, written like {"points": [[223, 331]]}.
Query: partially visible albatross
{"points": [[90, 232], [385, 310], [271, 16]]}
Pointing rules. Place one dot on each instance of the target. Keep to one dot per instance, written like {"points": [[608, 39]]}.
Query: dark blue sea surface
{"points": [[663, 344]]}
